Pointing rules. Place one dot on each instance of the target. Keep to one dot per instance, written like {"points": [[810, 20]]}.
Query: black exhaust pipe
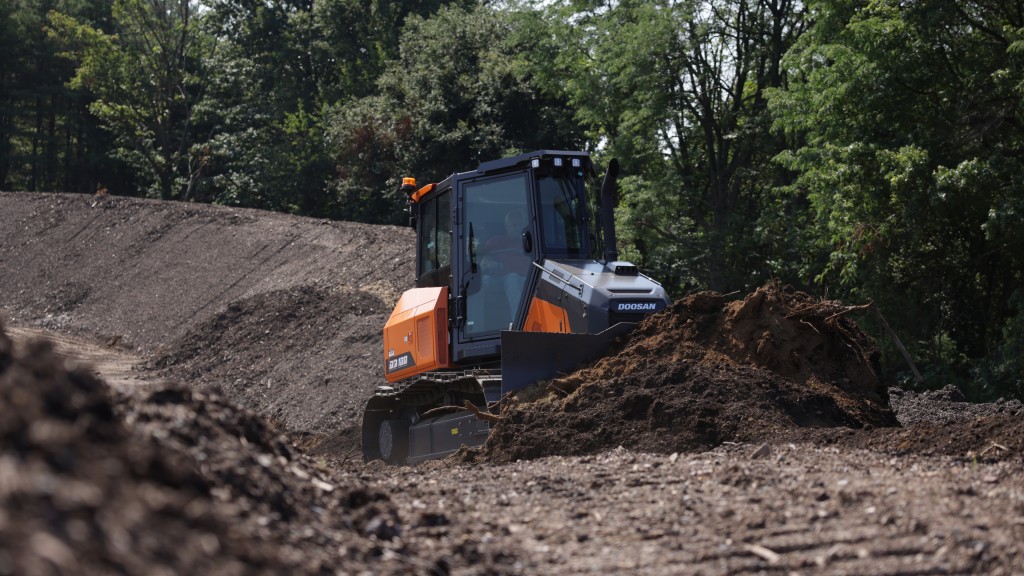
{"points": [[608, 193]]}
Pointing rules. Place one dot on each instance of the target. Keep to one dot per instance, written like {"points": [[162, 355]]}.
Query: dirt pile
{"points": [[936, 423], [707, 371], [67, 459], [307, 357], [945, 405], [177, 481]]}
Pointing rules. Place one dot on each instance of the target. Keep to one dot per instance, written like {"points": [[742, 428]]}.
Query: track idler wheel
{"points": [[393, 441]]}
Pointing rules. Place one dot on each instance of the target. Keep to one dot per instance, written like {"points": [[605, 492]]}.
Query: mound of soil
{"points": [[936, 423], [177, 481], [80, 494], [705, 372], [308, 357], [945, 405]]}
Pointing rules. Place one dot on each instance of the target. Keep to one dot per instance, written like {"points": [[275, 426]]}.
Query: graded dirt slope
{"points": [[187, 283], [149, 271]]}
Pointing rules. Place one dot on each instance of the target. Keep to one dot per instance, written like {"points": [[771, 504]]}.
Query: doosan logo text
{"points": [[636, 306]]}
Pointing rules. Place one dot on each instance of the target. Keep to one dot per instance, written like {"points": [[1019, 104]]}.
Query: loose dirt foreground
{"points": [[746, 436]]}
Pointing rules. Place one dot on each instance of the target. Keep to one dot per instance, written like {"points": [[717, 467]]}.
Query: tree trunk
{"points": [[34, 183], [5, 148], [49, 176]]}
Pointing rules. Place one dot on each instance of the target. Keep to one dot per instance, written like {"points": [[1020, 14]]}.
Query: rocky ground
{"points": [[223, 357]]}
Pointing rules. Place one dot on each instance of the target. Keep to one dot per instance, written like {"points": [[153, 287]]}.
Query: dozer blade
{"points": [[528, 357]]}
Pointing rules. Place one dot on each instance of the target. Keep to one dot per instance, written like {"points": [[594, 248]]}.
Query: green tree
{"points": [[11, 38], [357, 39], [282, 67], [464, 90], [46, 134], [912, 126], [676, 89], [148, 81]]}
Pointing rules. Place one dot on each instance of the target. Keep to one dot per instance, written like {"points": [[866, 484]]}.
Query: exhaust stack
{"points": [[608, 193]]}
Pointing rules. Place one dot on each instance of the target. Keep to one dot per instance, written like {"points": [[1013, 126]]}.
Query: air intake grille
{"points": [[616, 317]]}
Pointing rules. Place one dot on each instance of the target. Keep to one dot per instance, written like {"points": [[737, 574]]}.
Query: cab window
{"points": [[434, 229], [562, 226]]}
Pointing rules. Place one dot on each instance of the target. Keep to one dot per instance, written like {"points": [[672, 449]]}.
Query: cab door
{"points": [[434, 239], [495, 231]]}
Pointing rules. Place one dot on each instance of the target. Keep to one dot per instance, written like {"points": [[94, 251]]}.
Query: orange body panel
{"points": [[416, 334], [545, 317], [422, 192]]}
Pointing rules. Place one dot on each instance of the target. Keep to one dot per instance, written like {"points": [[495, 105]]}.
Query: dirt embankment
{"points": [[282, 312]]}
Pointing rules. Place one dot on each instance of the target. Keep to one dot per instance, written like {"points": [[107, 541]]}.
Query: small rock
{"points": [[762, 451]]}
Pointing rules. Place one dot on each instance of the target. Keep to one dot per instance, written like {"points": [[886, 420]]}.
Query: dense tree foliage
{"points": [[48, 140], [862, 149], [677, 89], [912, 125], [461, 92], [148, 81]]}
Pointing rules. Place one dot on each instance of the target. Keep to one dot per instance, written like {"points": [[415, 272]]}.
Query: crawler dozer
{"points": [[517, 280]]}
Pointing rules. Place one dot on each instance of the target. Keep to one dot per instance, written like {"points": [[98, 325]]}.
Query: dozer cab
{"points": [[517, 280]]}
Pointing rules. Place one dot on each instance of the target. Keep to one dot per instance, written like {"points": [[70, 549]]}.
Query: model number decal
{"points": [[399, 363], [636, 306]]}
